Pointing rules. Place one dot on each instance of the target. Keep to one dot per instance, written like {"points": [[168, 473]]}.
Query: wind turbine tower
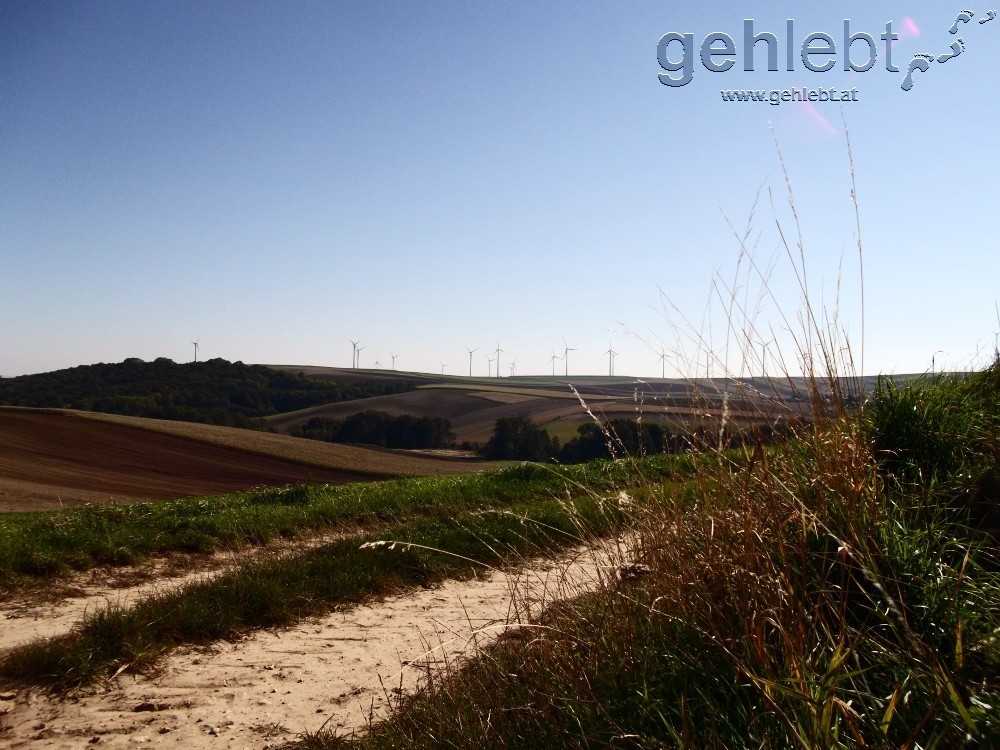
{"points": [[357, 365], [393, 359], [996, 334], [470, 351], [553, 359], [566, 352], [196, 348], [611, 359], [354, 352], [498, 352], [663, 365]]}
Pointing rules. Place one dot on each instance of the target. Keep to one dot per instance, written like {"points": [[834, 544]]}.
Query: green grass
{"points": [[281, 591], [38, 546], [838, 591]]}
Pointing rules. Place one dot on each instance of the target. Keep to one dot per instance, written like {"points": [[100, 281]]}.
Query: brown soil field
{"points": [[51, 458]]}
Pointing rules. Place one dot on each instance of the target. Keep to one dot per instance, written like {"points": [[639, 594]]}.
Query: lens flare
{"points": [[909, 30], [818, 118]]}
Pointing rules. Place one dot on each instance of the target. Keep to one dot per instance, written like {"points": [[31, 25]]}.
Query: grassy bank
{"points": [[36, 546], [840, 591]]}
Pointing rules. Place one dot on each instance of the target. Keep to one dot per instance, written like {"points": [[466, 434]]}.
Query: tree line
{"points": [[214, 391], [380, 429], [519, 439]]}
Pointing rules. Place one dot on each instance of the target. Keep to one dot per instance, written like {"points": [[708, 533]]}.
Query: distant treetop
{"points": [[214, 391]]}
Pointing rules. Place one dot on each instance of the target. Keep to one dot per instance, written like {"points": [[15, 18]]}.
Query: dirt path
{"points": [[54, 610], [336, 671]]}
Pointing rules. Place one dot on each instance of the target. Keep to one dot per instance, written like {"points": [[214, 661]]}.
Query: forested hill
{"points": [[215, 391]]}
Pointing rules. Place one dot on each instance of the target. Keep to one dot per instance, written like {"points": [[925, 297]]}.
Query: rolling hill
{"points": [[52, 458], [473, 405], [57, 456]]}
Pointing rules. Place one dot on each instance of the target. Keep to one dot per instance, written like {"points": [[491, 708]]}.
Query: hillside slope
{"points": [[52, 458]]}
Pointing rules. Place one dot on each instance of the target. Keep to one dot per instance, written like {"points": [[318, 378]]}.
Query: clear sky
{"points": [[275, 179]]}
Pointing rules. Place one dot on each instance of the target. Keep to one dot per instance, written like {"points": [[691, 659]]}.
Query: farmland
{"points": [[60, 458], [474, 404], [66, 457]]}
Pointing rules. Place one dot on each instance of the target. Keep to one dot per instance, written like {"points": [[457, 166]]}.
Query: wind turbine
{"points": [[443, 365], [378, 365], [611, 359], [393, 359], [663, 364], [489, 364], [358, 355], [566, 352], [763, 357], [470, 351], [996, 334], [513, 366], [354, 353], [934, 358], [553, 361], [196, 348], [497, 352]]}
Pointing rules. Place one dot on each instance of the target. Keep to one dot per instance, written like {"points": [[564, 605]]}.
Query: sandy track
{"points": [[56, 458], [336, 670], [54, 610]]}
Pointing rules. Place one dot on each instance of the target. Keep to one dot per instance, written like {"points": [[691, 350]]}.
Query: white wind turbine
{"points": [[489, 364], [566, 352], [553, 359], [497, 360], [663, 364], [934, 359], [996, 334], [393, 359], [763, 357], [443, 365], [470, 351], [358, 356], [611, 359], [196, 348], [354, 352]]}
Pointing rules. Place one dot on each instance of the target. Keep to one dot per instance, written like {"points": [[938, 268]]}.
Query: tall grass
{"points": [[839, 589]]}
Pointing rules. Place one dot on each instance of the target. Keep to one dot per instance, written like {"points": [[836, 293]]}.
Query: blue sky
{"points": [[275, 179]]}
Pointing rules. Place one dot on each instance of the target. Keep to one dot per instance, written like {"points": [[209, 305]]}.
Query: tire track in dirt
{"points": [[53, 610]]}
